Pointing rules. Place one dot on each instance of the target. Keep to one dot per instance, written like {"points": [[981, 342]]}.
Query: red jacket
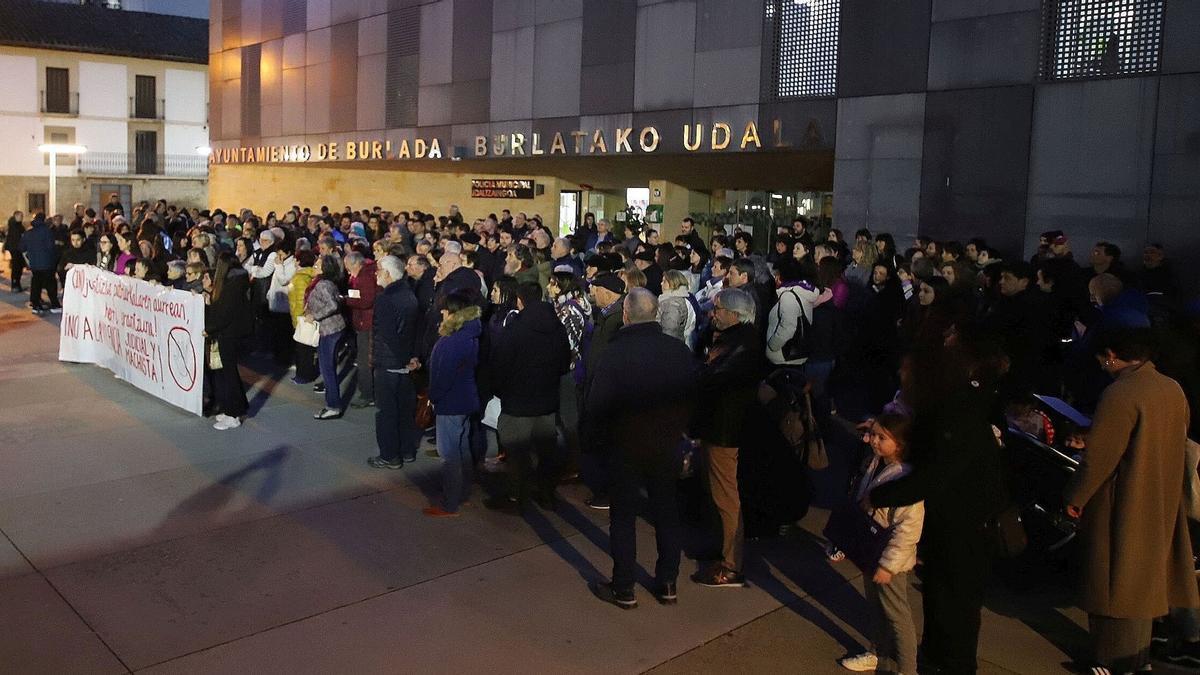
{"points": [[362, 307]]}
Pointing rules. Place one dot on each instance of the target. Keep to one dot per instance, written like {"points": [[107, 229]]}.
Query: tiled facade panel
{"points": [[877, 162], [664, 73], [511, 90], [608, 47], [556, 68]]}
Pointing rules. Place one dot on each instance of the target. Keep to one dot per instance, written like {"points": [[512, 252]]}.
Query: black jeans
{"points": [[522, 438], [396, 430], [662, 510], [306, 362], [228, 389], [16, 269], [43, 280], [956, 568]]}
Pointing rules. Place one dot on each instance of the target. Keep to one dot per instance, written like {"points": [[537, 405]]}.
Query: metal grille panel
{"points": [[1100, 38], [403, 60], [805, 47]]}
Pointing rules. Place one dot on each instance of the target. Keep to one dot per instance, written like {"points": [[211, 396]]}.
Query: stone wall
{"points": [[184, 192]]}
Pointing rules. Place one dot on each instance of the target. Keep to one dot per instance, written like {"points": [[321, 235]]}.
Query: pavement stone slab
{"points": [[39, 633]]}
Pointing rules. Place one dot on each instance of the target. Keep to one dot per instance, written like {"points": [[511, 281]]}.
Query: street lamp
{"points": [[54, 150], [203, 150]]}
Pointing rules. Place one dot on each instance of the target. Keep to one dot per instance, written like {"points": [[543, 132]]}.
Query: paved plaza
{"points": [[136, 538]]}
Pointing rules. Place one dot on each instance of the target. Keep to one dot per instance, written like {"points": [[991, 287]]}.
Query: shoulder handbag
{"points": [[214, 356], [799, 345], [307, 332], [856, 534]]}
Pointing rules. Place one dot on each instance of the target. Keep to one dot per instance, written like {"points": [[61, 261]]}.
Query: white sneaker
{"points": [[860, 664], [227, 423], [221, 417]]}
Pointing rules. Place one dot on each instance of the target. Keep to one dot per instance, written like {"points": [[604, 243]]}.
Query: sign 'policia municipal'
{"points": [[718, 137]]}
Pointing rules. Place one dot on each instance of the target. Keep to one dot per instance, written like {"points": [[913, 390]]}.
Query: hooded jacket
{"points": [[530, 357], [38, 244], [452, 386]]}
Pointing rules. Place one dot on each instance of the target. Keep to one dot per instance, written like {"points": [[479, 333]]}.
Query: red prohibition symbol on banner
{"points": [[181, 357]]}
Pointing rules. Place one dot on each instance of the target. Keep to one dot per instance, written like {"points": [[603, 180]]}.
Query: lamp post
{"points": [[54, 150]]}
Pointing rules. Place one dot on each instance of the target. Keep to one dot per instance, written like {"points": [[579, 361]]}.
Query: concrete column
{"points": [[677, 202]]}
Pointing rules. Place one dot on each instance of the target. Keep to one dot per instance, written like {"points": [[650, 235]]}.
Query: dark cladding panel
{"points": [[295, 16], [606, 89], [728, 24], [609, 31], [1090, 159], [1181, 37], [975, 165], [251, 93], [403, 66], [472, 41], [805, 124], [884, 47], [1175, 196], [985, 51], [343, 83], [609, 43]]}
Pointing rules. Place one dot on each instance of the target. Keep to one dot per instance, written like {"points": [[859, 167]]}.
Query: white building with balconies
{"points": [[130, 87]]}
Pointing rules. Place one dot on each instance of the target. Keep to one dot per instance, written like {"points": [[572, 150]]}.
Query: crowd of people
{"points": [[628, 359]]}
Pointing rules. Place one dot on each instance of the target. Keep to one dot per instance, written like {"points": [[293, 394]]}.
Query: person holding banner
{"points": [[227, 320]]}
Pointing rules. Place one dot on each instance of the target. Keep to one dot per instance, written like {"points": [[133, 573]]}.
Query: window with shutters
{"points": [[58, 91], [146, 152], [1100, 38], [804, 47], [145, 100]]}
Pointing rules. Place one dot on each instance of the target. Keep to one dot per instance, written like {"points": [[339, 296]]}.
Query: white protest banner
{"points": [[148, 335]]}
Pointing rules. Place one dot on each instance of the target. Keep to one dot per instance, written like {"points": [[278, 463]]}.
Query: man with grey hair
{"points": [[360, 298], [643, 390], [734, 366], [395, 320], [560, 254]]}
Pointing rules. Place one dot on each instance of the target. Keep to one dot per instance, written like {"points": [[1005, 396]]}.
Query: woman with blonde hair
{"points": [[864, 256], [676, 308]]}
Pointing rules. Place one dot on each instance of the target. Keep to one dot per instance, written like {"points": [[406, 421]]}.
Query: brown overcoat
{"points": [[1137, 553]]}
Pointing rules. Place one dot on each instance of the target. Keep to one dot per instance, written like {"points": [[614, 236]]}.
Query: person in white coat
{"points": [[283, 268], [894, 636], [792, 314]]}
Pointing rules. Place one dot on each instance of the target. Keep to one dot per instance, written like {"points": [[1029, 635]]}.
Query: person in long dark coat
{"points": [[1128, 493], [229, 321]]}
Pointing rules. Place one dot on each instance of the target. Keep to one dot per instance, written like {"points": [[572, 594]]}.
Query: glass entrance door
{"points": [[568, 211]]}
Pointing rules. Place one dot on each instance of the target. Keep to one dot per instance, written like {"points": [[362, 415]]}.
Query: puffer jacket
{"points": [[301, 279], [278, 296], [676, 314], [324, 306], [908, 521]]}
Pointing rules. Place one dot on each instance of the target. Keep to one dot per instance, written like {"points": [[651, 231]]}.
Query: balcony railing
{"points": [[133, 164], [147, 109], [58, 105]]}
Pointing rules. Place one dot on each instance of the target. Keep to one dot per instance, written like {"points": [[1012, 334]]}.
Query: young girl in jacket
{"points": [[894, 638]]}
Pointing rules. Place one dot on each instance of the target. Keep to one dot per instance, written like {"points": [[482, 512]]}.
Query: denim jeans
{"points": [[662, 511], [454, 447], [327, 359]]}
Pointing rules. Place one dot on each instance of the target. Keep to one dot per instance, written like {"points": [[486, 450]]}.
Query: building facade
{"points": [[91, 76], [955, 118]]}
